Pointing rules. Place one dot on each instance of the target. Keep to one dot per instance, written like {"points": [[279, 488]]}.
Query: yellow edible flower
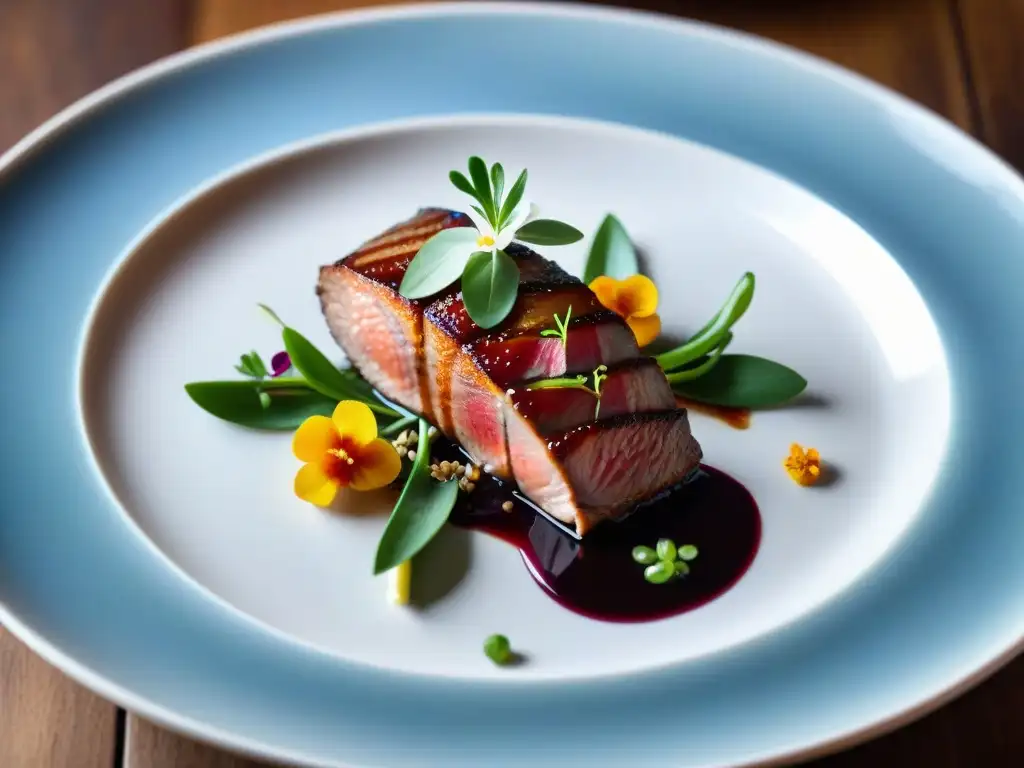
{"points": [[803, 466], [342, 451], [635, 299]]}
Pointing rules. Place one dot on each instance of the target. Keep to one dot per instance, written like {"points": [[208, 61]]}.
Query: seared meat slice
{"points": [[380, 331], [485, 369], [535, 419], [430, 357], [448, 327], [544, 289], [602, 468]]}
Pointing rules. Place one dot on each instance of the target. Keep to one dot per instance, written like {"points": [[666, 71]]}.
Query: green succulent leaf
{"points": [[271, 314], [744, 381], [421, 511], [482, 184], [687, 552], [324, 377], [439, 262], [497, 183], [612, 253], [490, 283], [515, 196], [548, 232], [461, 183], [270, 405]]}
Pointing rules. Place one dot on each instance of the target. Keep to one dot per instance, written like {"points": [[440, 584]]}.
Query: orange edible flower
{"points": [[635, 299], [803, 466], [342, 451]]}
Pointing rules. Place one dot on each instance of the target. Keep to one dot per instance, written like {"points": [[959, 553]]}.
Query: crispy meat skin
{"points": [[428, 356]]}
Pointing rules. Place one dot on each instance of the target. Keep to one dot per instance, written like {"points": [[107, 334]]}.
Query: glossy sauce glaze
{"points": [[598, 577], [737, 418]]}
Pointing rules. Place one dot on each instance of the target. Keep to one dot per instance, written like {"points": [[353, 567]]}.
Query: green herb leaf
{"points": [[462, 184], [666, 549], [712, 334], [439, 262], [322, 376], [482, 183], [575, 382], [272, 314], [687, 552], [744, 381], [548, 232], [421, 510], [478, 209], [242, 402], [397, 426], [251, 364], [612, 252], [660, 572], [703, 365], [358, 388], [644, 555], [561, 329], [498, 183], [515, 196], [498, 649], [490, 283], [680, 568]]}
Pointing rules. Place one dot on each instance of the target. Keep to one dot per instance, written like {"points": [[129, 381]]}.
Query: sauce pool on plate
{"points": [[598, 577]]}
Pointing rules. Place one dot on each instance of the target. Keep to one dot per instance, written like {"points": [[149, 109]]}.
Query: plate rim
{"points": [[37, 140]]}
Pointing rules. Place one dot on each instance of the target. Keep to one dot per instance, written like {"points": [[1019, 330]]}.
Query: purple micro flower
{"points": [[280, 364]]}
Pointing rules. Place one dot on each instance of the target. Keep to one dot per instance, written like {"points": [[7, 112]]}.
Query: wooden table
{"points": [[962, 58]]}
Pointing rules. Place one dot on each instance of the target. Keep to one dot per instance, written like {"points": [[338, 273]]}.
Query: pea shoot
{"points": [[664, 561], [499, 650]]}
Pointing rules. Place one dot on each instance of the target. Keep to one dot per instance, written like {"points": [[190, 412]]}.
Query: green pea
{"points": [[660, 572], [498, 649], [687, 552], [681, 568], [644, 555], [666, 549]]}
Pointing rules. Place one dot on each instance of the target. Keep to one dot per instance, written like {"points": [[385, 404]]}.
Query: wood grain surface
{"points": [[51, 53], [993, 35], [962, 58], [45, 719]]}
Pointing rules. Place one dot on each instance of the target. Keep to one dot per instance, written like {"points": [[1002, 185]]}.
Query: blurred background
{"points": [[961, 58]]}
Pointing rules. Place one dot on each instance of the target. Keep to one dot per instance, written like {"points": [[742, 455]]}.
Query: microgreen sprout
{"points": [[252, 365], [600, 374], [665, 560], [563, 382], [561, 329], [591, 384]]}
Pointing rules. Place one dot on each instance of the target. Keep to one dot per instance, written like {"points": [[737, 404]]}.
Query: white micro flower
{"points": [[491, 241]]}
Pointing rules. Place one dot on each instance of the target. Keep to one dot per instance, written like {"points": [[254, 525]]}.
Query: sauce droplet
{"points": [[737, 418]]}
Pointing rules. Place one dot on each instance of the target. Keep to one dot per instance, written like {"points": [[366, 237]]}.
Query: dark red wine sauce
{"points": [[597, 577]]}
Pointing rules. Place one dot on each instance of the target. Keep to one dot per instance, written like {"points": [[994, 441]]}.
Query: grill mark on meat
{"points": [[381, 331]]}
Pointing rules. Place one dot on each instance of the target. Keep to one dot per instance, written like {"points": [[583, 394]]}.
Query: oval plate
{"points": [[87, 593]]}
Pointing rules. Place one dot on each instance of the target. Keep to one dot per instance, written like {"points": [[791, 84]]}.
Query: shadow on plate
{"points": [[441, 566]]}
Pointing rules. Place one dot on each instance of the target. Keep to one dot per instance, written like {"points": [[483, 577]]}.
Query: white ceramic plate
{"points": [[217, 500]]}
